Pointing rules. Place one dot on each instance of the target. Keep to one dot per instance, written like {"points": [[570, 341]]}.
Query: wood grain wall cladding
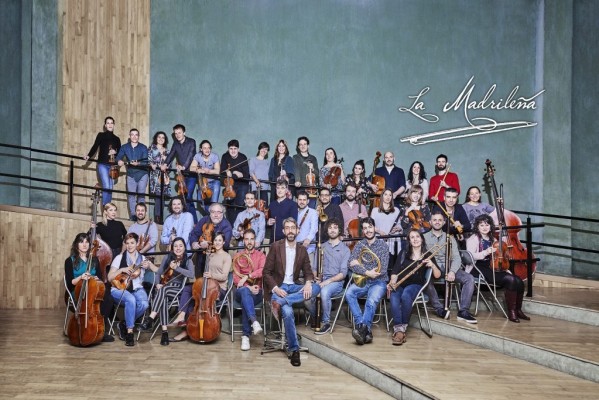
{"points": [[105, 57]]}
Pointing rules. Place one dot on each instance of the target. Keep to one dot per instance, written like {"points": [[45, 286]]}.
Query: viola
{"points": [[204, 324], [204, 188], [114, 168], [229, 192], [247, 223], [332, 178], [180, 186], [86, 326], [507, 218], [418, 221], [500, 260], [311, 182], [170, 273], [207, 233]]}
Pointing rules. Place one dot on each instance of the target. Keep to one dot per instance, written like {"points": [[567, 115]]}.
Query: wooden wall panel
{"points": [[105, 71]]}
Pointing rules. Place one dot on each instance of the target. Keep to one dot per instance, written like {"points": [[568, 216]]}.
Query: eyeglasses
{"points": [[216, 212]]}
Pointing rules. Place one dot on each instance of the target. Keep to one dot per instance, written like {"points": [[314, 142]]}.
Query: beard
{"points": [[291, 237]]}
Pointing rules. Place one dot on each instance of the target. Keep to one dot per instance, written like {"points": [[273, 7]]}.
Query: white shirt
{"points": [[289, 261]]}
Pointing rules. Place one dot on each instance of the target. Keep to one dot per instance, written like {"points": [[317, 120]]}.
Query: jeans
{"points": [[401, 303], [190, 182], [463, 278], [106, 182], [374, 292], [295, 294], [135, 303], [326, 293], [137, 191], [248, 301]]}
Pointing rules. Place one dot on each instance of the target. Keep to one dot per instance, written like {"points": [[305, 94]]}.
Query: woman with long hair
{"points": [[259, 169], [417, 176], [330, 161], [416, 214], [168, 281], [481, 246], [157, 154], [474, 207], [358, 179], [75, 270], [413, 270], [387, 220], [281, 166]]}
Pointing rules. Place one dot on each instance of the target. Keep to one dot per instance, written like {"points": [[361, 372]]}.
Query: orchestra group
{"points": [[306, 234]]}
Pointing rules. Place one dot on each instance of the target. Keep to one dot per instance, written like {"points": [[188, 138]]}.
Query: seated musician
{"points": [[168, 280], [331, 211], [369, 259], [133, 295], [250, 218], [218, 266], [351, 209], [411, 275], [416, 214], [334, 270], [75, 270], [308, 224], [387, 218], [480, 244], [200, 234], [147, 231], [280, 209], [178, 224], [284, 263], [247, 280]]}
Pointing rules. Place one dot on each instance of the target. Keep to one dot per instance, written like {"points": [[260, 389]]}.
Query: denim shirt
{"points": [[138, 153]]}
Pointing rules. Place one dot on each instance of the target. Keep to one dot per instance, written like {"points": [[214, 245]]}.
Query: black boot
{"points": [[510, 301], [147, 324], [519, 313], [164, 339]]}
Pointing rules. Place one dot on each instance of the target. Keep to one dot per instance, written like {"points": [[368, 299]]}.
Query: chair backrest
{"points": [[420, 297], [467, 258], [68, 295]]}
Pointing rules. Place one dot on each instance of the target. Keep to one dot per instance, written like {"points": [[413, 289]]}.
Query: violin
{"points": [[379, 181], [86, 326], [204, 188], [114, 168], [207, 233], [229, 192], [181, 187], [332, 178], [500, 260], [145, 238], [311, 182], [123, 280], [247, 223], [204, 324], [507, 218], [170, 273], [418, 221]]}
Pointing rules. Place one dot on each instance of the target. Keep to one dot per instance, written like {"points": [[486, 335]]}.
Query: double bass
{"points": [[511, 250], [204, 324], [379, 181]]}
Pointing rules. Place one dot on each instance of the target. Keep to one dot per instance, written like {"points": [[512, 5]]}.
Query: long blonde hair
{"points": [[106, 207]]}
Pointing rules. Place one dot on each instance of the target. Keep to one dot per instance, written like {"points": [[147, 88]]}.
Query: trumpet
{"points": [[322, 217], [243, 262], [366, 256], [417, 264]]}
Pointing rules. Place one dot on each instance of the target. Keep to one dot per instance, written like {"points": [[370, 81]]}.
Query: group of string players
{"points": [[398, 266]]}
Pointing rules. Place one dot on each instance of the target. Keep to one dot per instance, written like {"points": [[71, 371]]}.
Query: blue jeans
{"points": [[106, 182], [295, 294], [401, 303], [137, 191], [248, 301], [374, 292], [190, 182], [326, 293], [135, 303]]}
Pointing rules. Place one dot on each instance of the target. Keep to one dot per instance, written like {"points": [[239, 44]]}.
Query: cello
{"points": [[378, 181], [510, 246], [204, 324]]}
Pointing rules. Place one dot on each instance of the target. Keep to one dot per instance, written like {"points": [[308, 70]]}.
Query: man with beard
{"points": [[304, 163], [395, 179], [437, 237], [332, 211], [147, 231], [350, 208], [178, 224], [253, 217], [460, 223], [442, 181], [308, 224], [334, 269], [375, 280], [199, 238], [284, 263]]}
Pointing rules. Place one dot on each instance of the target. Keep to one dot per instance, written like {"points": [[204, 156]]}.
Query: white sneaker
{"points": [[245, 343], [256, 328]]}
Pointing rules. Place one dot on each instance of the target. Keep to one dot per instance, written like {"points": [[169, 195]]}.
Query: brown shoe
{"points": [[399, 338], [276, 310]]}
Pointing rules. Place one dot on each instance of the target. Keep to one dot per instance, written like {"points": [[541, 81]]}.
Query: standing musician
{"points": [[284, 263], [305, 163], [482, 246], [351, 209], [330, 162], [395, 178], [157, 154], [308, 225], [417, 176], [280, 209], [368, 260], [460, 221], [110, 230], [178, 224], [107, 144], [250, 218], [416, 214], [184, 148], [248, 266], [137, 170], [218, 266], [132, 265], [437, 236], [200, 234], [387, 218], [413, 270], [335, 258], [331, 211], [474, 207], [259, 167], [147, 232], [75, 267], [358, 179], [281, 166], [207, 162], [443, 180], [177, 266], [235, 165]]}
